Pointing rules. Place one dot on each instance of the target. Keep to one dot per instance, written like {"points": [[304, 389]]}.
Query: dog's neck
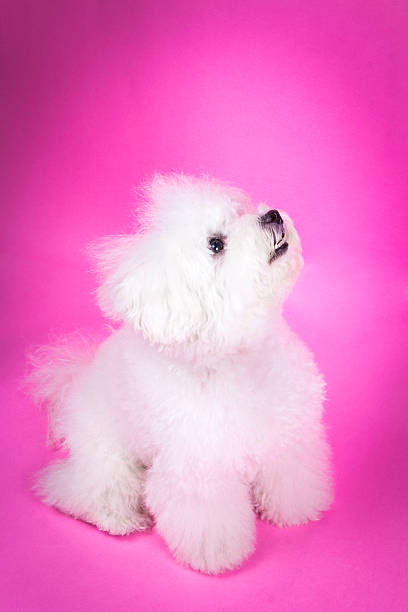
{"points": [[196, 354]]}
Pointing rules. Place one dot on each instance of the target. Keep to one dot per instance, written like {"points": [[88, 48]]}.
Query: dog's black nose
{"points": [[272, 216]]}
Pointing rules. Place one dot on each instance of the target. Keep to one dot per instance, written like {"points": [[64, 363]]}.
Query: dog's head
{"points": [[205, 269]]}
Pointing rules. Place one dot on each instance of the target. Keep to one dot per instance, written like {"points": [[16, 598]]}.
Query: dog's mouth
{"points": [[273, 225], [278, 240], [278, 251]]}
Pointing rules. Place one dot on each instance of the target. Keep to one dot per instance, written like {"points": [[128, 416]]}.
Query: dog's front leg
{"points": [[294, 484], [205, 516]]}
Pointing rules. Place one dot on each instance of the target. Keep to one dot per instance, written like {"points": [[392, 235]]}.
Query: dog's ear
{"points": [[120, 269], [138, 287]]}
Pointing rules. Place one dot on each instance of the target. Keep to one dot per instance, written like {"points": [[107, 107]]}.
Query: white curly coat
{"points": [[203, 406]]}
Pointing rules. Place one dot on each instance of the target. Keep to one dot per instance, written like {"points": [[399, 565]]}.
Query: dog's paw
{"points": [[289, 507], [292, 518], [116, 524], [214, 556], [208, 542]]}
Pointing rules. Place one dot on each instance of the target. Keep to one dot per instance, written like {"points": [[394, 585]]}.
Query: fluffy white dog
{"points": [[203, 406]]}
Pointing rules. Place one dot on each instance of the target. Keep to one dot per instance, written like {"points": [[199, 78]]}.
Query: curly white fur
{"points": [[204, 405]]}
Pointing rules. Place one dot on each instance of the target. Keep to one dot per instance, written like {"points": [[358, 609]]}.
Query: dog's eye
{"points": [[216, 245]]}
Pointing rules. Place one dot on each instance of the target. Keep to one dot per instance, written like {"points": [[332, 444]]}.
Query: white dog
{"points": [[203, 406]]}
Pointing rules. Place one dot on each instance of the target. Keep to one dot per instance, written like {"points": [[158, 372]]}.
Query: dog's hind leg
{"points": [[101, 481], [103, 488]]}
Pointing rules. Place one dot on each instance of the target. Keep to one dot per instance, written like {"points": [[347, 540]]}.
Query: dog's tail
{"points": [[52, 371]]}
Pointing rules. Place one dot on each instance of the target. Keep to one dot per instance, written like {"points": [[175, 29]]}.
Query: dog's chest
{"points": [[219, 413]]}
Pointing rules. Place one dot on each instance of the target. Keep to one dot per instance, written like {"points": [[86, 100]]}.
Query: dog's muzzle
{"points": [[272, 223]]}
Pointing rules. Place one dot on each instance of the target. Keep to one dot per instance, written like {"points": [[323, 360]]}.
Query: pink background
{"points": [[304, 104]]}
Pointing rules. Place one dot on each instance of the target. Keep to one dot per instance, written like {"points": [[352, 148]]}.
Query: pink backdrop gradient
{"points": [[304, 104]]}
